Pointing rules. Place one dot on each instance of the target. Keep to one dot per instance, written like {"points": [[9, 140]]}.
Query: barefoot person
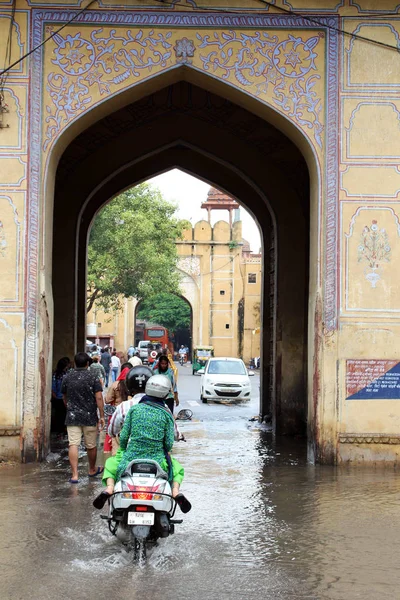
{"points": [[148, 432], [83, 395]]}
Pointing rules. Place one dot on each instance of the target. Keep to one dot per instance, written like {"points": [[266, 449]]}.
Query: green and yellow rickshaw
{"points": [[201, 354]]}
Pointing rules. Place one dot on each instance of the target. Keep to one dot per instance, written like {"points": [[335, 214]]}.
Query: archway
{"points": [[157, 310], [230, 147]]}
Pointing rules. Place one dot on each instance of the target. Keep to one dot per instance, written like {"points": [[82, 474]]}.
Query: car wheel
{"points": [[204, 400]]}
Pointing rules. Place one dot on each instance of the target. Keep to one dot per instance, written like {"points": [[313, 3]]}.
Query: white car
{"points": [[143, 350], [225, 378]]}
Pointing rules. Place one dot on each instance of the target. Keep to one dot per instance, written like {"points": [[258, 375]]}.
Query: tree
{"points": [[132, 251], [168, 310]]}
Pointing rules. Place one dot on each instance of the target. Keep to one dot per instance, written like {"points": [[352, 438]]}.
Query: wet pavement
{"points": [[264, 524]]}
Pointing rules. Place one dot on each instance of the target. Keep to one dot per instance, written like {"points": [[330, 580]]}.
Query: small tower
{"points": [[217, 200]]}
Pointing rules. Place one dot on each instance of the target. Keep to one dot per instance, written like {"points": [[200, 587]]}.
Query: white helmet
{"points": [[158, 386]]}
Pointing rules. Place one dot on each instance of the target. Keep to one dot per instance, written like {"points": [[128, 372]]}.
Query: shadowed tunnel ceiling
{"points": [[184, 99]]}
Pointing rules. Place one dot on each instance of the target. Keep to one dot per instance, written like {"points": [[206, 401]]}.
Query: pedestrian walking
{"points": [[116, 394], [105, 361], [164, 369], [58, 410], [98, 369], [115, 366], [83, 396]]}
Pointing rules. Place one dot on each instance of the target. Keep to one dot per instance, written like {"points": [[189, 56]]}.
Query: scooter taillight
{"points": [[137, 492]]}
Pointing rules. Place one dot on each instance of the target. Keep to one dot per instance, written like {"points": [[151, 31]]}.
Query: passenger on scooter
{"points": [[148, 432], [135, 384]]}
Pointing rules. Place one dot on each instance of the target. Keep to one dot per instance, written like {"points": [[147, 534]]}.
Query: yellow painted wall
{"points": [[367, 193]]}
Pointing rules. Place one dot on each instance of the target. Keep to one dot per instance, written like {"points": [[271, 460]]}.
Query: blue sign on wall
{"points": [[373, 380]]}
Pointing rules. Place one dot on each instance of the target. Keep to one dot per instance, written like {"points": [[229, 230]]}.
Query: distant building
{"points": [[221, 280]]}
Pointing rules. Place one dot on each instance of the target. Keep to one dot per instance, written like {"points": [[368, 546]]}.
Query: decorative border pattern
{"points": [[347, 157], [179, 20], [374, 195], [22, 121], [10, 431], [369, 438], [375, 10], [347, 236], [18, 72], [16, 351], [19, 249], [317, 8], [346, 57]]}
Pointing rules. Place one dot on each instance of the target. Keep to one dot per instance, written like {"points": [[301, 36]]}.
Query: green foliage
{"points": [[132, 251], [166, 309]]}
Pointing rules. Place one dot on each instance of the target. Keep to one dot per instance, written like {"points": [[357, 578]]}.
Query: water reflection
{"points": [[265, 524]]}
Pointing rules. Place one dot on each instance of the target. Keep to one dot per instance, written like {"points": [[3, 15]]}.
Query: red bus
{"points": [[158, 335]]}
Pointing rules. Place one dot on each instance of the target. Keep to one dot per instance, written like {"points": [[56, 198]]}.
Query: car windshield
{"points": [[226, 367]]}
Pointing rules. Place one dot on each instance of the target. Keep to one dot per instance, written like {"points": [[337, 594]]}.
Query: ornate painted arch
{"points": [[286, 63]]}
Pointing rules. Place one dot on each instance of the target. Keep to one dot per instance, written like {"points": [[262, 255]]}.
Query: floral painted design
{"points": [[105, 61], [282, 69], [94, 76], [184, 50], [374, 249], [294, 57], [74, 55], [261, 60]]}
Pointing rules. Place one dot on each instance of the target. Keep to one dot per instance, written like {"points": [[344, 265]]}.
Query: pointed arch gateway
{"points": [[188, 127], [183, 116]]}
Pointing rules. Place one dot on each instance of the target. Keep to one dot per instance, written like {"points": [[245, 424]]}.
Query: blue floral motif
{"points": [[294, 57], [69, 98], [184, 50], [262, 60], [74, 55], [105, 61], [109, 57]]}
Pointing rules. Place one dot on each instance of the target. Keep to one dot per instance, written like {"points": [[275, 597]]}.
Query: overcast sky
{"points": [[189, 192]]}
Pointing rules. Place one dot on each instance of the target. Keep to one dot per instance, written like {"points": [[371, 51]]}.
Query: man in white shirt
{"points": [[135, 361], [115, 366]]}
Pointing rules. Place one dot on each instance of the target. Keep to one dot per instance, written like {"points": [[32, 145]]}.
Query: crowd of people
{"points": [[138, 404]]}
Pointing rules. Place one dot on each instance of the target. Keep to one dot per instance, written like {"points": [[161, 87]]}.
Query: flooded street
{"points": [[264, 523]]}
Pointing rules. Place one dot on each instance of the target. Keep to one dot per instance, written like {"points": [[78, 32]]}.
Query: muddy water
{"points": [[265, 524]]}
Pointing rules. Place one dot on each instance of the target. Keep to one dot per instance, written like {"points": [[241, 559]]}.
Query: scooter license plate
{"points": [[140, 518]]}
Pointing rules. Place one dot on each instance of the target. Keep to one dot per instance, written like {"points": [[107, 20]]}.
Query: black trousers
{"points": [[170, 402]]}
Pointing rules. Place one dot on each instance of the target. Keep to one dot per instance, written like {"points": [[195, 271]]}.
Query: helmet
{"points": [[158, 386], [137, 378]]}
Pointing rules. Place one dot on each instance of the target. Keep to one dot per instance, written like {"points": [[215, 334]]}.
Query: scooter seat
{"points": [[145, 467]]}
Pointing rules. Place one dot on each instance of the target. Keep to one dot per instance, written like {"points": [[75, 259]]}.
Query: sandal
{"points": [[183, 503], [101, 499], [99, 471]]}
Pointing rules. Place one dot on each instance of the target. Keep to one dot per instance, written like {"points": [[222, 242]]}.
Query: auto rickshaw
{"points": [[201, 354]]}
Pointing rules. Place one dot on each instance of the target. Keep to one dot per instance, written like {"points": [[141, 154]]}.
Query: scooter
{"points": [[141, 509]]}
